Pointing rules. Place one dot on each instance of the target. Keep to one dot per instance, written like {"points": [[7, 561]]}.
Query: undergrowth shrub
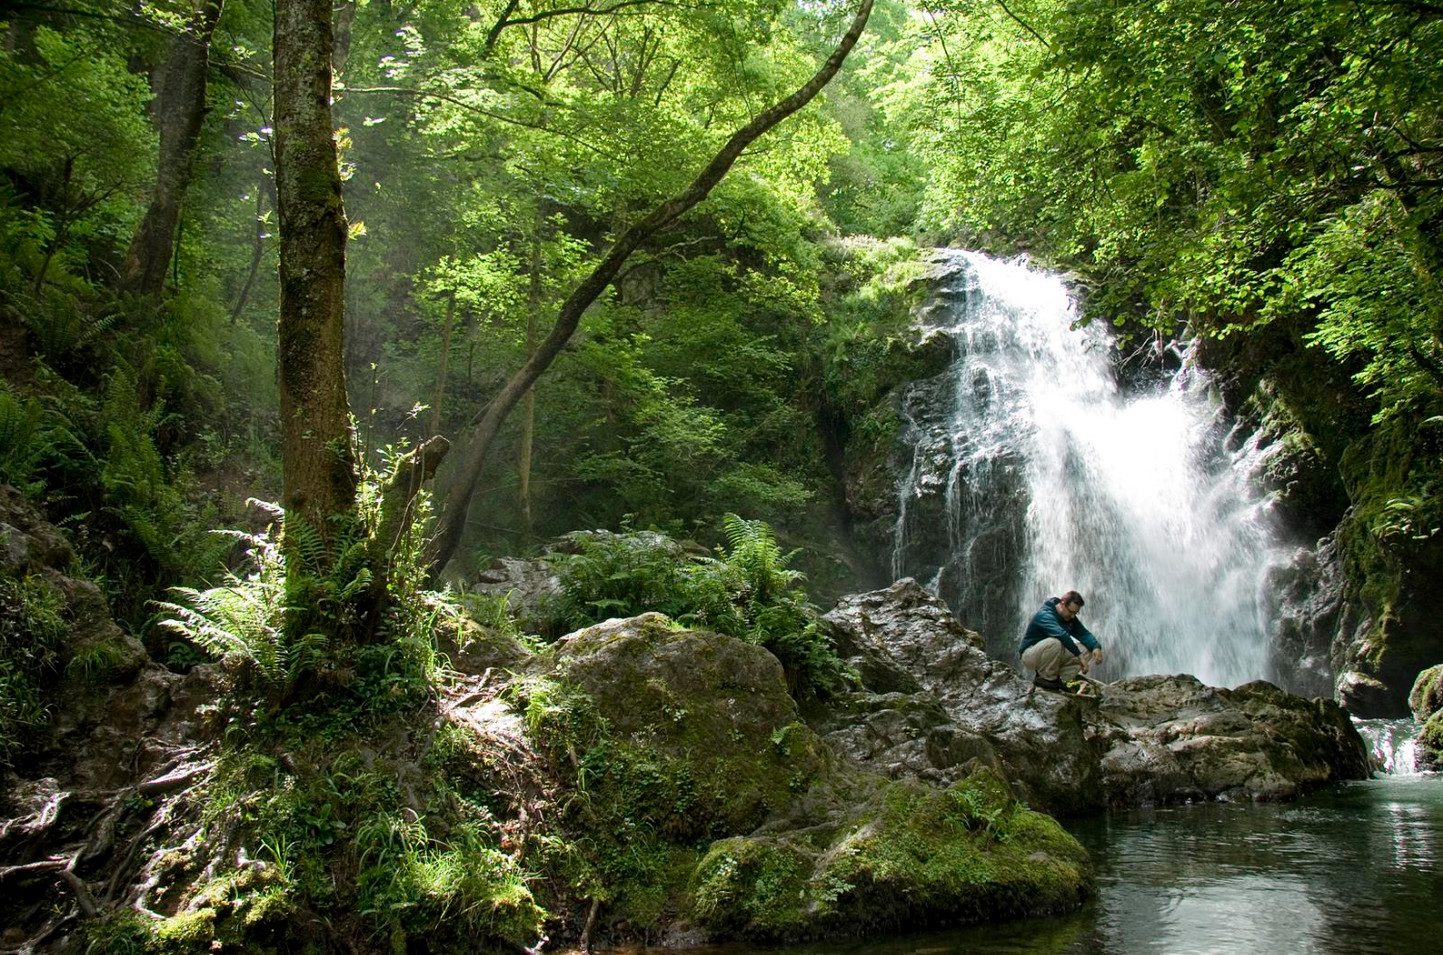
{"points": [[748, 590], [32, 438], [32, 622], [328, 730]]}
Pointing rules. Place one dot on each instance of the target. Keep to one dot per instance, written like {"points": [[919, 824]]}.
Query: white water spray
{"points": [[1053, 479]]}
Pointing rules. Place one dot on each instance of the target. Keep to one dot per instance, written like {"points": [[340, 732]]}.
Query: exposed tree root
{"points": [[69, 834]]}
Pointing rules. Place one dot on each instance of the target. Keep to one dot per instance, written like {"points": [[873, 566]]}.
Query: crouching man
{"points": [[1050, 645]]}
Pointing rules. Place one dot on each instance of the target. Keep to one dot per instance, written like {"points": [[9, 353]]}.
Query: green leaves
{"points": [[746, 591], [1215, 165]]}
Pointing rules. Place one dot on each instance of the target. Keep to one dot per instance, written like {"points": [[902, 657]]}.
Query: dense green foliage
{"points": [[1260, 172], [31, 624], [1215, 165], [746, 591]]}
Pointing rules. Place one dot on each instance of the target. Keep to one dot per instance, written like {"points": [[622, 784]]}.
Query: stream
{"points": [[1355, 869]]}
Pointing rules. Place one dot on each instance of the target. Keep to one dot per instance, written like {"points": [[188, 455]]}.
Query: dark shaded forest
{"points": [[449, 282]]}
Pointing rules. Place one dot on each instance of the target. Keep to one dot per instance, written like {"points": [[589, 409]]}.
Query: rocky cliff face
{"points": [[1350, 615], [113, 766]]}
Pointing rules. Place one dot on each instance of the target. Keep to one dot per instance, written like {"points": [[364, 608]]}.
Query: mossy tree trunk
{"points": [[318, 451], [180, 112]]}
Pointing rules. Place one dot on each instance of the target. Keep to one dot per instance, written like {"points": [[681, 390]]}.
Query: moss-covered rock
{"points": [[1426, 697], [913, 857], [705, 808], [1430, 744], [1392, 550], [1426, 702]]}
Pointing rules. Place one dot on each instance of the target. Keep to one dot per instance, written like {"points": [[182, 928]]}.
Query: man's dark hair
{"points": [[1072, 597]]}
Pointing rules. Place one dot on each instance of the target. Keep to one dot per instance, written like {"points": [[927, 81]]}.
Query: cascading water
{"points": [[1393, 744], [1032, 473]]}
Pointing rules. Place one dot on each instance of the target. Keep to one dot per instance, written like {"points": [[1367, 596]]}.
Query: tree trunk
{"points": [[528, 400], [257, 251], [318, 451], [180, 111], [341, 50], [445, 365], [453, 519]]}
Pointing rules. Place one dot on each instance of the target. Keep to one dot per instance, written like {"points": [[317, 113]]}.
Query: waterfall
{"points": [[1033, 472], [1392, 743]]}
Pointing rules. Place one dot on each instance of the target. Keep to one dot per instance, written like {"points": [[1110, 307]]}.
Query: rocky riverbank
{"points": [[658, 783], [928, 698]]}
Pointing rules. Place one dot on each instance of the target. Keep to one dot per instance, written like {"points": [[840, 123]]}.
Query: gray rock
{"points": [[1171, 738], [27, 540], [902, 735], [528, 587], [14, 550], [904, 639], [1147, 740], [1305, 599]]}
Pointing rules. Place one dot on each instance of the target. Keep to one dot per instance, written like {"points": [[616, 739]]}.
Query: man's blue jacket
{"points": [[1046, 623]]}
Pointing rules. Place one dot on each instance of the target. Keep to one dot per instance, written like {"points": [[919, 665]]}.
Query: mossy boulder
{"points": [[1426, 702], [1430, 745], [1426, 698], [913, 856], [1392, 560], [704, 804]]}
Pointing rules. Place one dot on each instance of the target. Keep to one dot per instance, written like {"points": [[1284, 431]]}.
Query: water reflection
{"points": [[1357, 870]]}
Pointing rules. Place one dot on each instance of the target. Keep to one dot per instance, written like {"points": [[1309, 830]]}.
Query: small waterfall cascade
{"points": [[1033, 472], [1392, 743]]}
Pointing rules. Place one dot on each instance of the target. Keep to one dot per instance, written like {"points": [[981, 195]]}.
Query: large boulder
{"points": [[1426, 702], [734, 819], [1172, 738], [1426, 697], [903, 636], [1147, 740]]}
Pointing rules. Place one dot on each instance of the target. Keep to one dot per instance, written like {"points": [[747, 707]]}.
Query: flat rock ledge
{"points": [[929, 701]]}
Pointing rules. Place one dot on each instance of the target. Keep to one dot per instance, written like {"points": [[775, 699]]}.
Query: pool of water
{"points": [[1354, 870]]}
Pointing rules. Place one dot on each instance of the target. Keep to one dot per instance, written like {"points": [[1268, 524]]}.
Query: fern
{"points": [[747, 591], [756, 554], [60, 325], [241, 621], [31, 438]]}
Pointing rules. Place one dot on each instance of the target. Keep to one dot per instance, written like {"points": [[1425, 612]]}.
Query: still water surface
{"points": [[1355, 870]]}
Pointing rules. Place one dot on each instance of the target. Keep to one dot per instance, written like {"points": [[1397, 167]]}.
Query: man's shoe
{"points": [[1054, 685]]}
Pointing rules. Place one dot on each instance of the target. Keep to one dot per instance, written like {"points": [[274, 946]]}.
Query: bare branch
{"points": [[507, 21]]}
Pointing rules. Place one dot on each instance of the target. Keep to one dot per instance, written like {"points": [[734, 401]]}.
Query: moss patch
{"points": [[916, 856], [1426, 698], [1430, 744]]}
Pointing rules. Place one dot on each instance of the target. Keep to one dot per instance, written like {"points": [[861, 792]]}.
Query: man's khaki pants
{"points": [[1052, 661]]}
